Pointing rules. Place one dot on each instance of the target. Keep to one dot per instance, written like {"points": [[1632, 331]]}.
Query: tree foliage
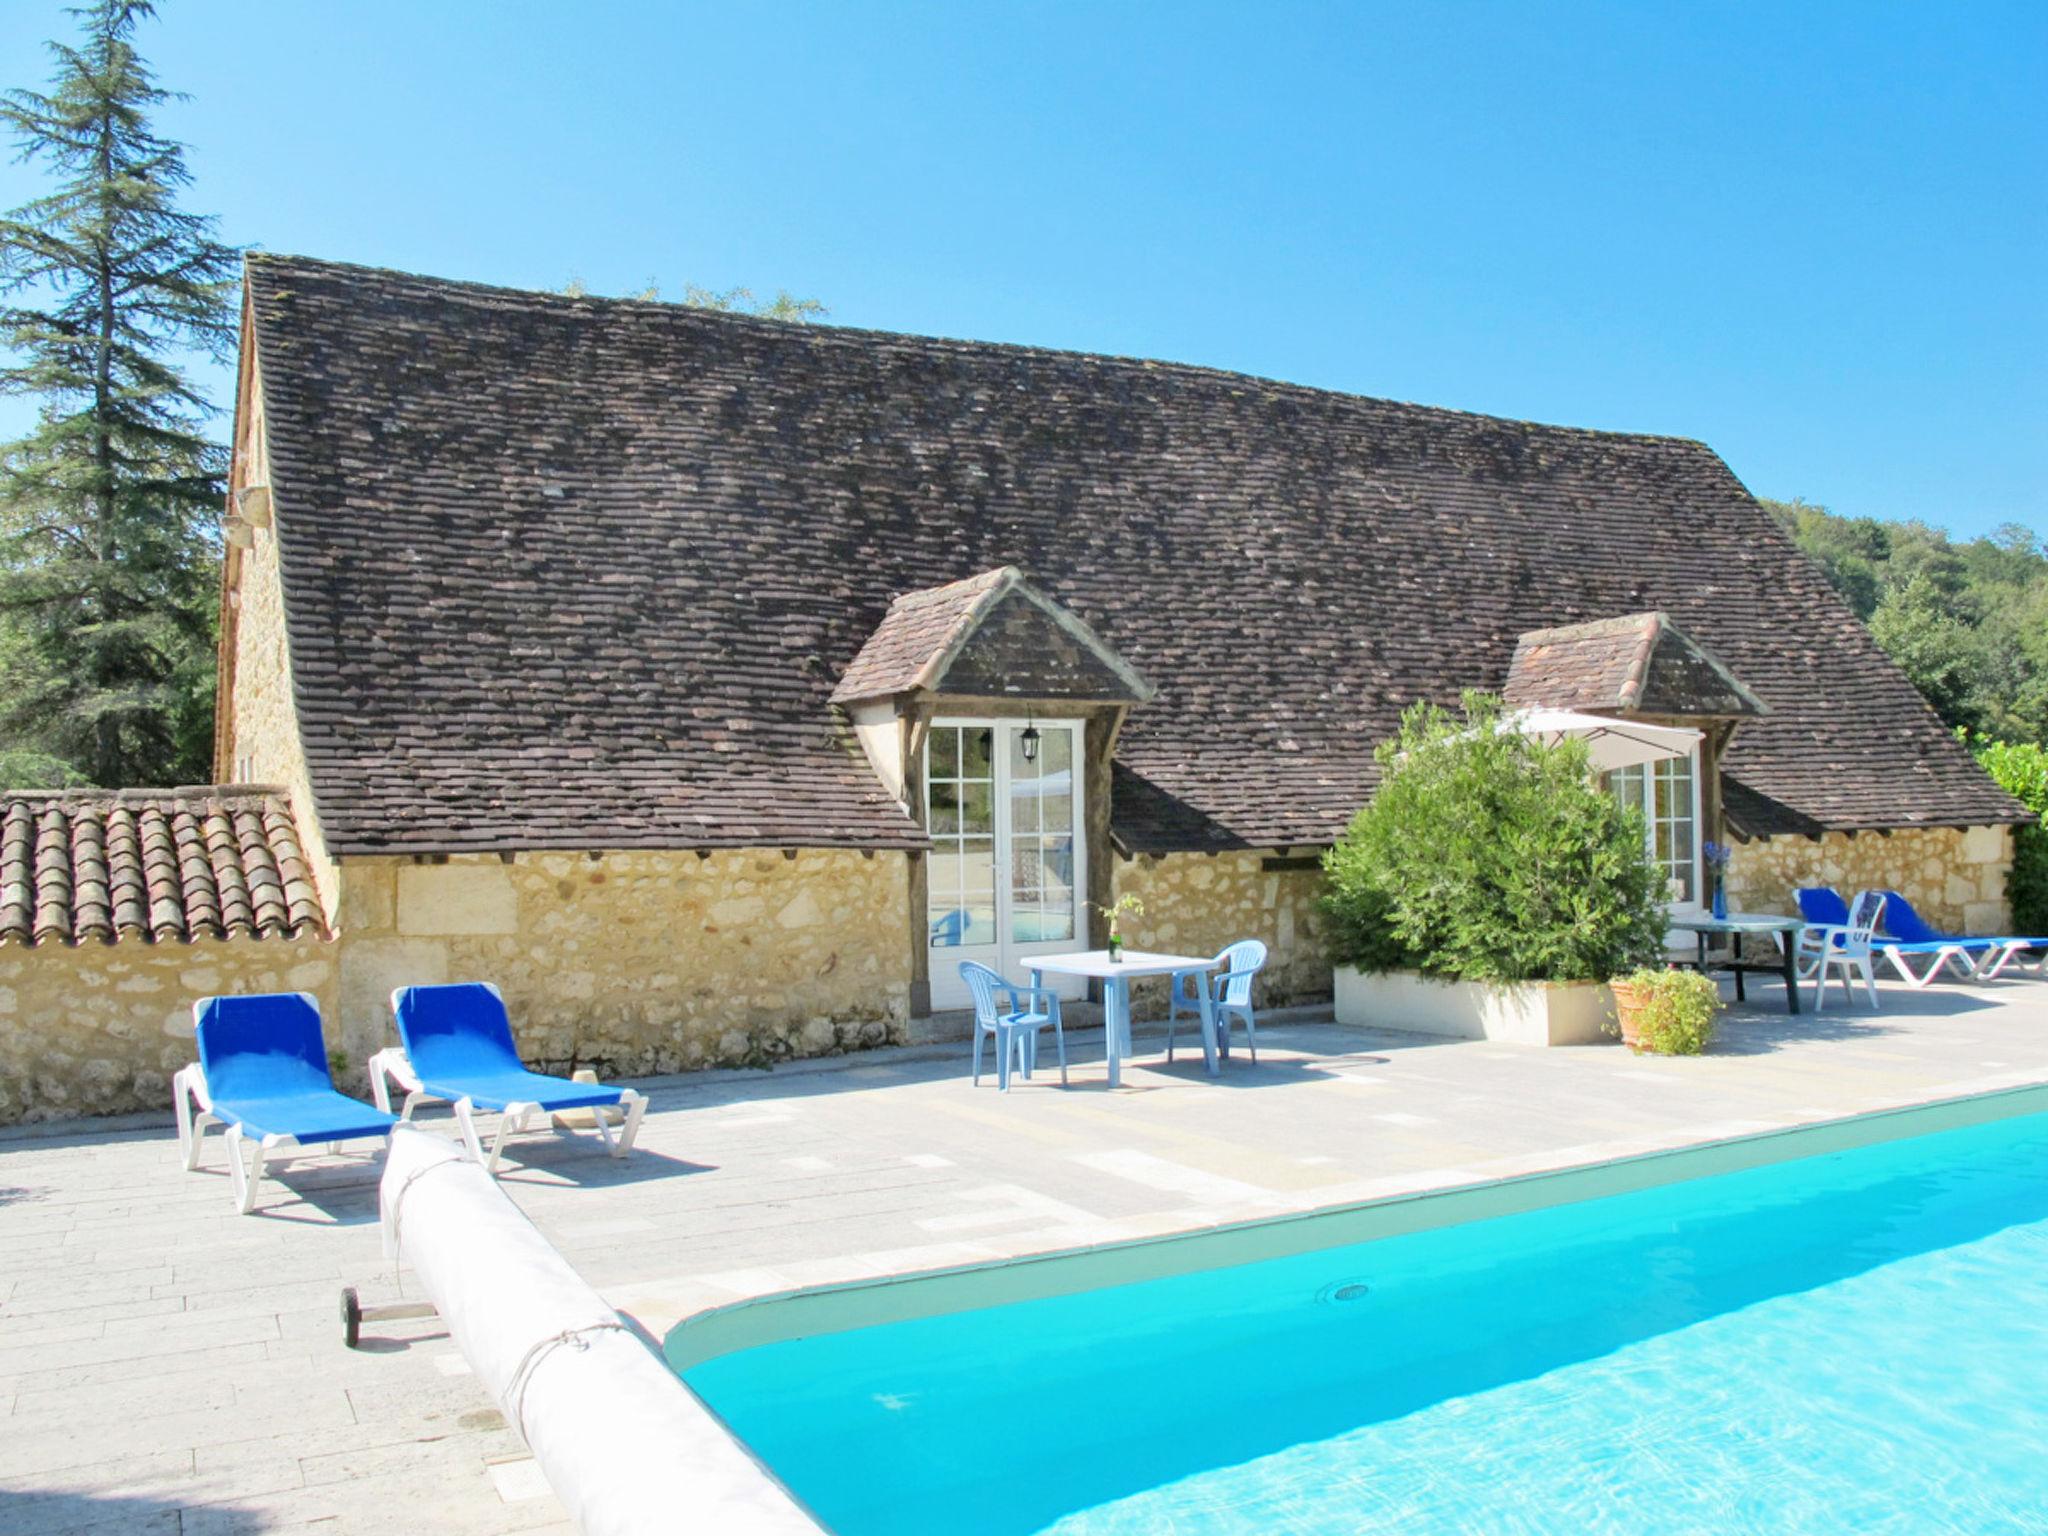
{"points": [[1486, 855], [2021, 767], [1967, 622], [108, 552], [738, 301]]}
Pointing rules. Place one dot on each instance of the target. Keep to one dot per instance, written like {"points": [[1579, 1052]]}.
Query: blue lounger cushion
{"points": [[1902, 923], [1907, 933], [265, 1061], [459, 1042]]}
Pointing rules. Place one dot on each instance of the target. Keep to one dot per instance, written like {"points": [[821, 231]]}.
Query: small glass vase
{"points": [[1720, 900], [1116, 947]]}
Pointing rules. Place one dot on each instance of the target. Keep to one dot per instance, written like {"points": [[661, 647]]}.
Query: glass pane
{"points": [[1024, 868], [1057, 804], [1055, 923], [1024, 813], [1024, 923], [945, 807], [977, 808], [974, 748], [1056, 872], [1057, 753], [945, 752], [981, 922], [949, 927]]}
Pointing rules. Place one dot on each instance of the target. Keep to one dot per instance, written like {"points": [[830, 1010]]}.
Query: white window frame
{"points": [[1007, 955], [1648, 806]]}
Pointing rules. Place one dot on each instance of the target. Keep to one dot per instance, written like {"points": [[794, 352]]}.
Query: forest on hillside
{"points": [[1967, 620]]}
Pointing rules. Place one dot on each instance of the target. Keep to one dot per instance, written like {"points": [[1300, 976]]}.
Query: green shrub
{"points": [[1679, 1009], [1489, 856], [2021, 768]]}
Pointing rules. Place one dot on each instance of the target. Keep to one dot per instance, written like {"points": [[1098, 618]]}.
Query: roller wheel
{"points": [[351, 1316]]}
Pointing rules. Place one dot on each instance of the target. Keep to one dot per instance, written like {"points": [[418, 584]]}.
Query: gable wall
{"points": [[258, 740]]}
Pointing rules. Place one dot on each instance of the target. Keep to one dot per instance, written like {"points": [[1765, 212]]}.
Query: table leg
{"points": [[1788, 943], [1735, 945], [1209, 1061], [1115, 1005]]}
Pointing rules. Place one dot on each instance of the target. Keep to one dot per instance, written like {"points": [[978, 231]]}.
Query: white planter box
{"points": [[1530, 1013]]}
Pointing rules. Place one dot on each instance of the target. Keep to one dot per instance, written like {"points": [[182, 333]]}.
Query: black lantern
{"points": [[1029, 742]]}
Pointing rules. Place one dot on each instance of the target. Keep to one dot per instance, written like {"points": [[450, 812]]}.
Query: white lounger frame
{"points": [[390, 1066], [1956, 956], [2008, 956]]}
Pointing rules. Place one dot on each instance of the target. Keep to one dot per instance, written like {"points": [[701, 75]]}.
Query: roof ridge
{"points": [[829, 334]]}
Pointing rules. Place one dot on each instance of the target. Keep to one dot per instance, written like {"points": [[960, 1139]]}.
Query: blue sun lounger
{"points": [[1993, 955], [457, 1048], [1819, 904], [262, 1073]]}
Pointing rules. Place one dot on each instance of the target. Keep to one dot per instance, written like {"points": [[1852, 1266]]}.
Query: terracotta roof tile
{"points": [[570, 572], [155, 866]]}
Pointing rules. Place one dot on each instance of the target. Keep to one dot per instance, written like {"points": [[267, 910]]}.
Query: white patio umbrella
{"points": [[1610, 743]]}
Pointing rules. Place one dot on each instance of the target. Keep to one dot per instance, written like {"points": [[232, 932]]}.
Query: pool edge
{"points": [[837, 1306]]}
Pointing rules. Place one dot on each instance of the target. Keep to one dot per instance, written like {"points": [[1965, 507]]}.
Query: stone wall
{"points": [[261, 744], [639, 962], [1954, 876], [1197, 903], [99, 1029]]}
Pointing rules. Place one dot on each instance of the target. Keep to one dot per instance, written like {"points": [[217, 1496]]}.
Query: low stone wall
{"points": [[1197, 903], [99, 1029], [638, 962], [1954, 876]]}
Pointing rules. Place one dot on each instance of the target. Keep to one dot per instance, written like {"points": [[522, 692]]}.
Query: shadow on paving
{"points": [[26, 1511]]}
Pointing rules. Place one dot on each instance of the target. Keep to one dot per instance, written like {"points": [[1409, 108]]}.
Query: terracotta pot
{"points": [[1630, 1003]]}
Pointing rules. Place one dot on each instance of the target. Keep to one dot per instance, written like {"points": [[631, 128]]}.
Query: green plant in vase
{"points": [[1123, 906]]}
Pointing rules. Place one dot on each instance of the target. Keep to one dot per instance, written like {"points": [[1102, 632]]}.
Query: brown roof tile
{"points": [[152, 865], [1639, 663], [570, 572]]}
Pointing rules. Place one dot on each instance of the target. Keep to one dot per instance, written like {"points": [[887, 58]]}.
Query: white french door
{"points": [[1008, 872]]}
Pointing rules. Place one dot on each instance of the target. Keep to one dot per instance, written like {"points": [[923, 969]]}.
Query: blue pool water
{"points": [[1855, 1342]]}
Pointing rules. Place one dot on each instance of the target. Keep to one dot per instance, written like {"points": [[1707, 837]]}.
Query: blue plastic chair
{"points": [[262, 1073], [457, 1047], [1015, 1027], [1901, 933], [1231, 989]]}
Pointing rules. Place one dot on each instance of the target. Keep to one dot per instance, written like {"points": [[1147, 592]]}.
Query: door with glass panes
{"points": [[1007, 876]]}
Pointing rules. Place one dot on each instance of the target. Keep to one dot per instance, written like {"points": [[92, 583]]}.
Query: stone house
{"points": [[716, 685]]}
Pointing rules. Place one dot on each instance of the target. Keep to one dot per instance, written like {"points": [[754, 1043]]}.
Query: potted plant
{"points": [[1668, 1013], [1115, 912], [1490, 887]]}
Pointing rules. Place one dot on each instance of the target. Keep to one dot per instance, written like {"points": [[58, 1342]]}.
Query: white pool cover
{"points": [[629, 1449]]}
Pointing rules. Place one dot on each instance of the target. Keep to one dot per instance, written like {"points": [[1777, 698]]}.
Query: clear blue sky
{"points": [[1815, 236]]}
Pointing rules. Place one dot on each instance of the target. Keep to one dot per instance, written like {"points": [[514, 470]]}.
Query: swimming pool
{"points": [[1839, 1340]]}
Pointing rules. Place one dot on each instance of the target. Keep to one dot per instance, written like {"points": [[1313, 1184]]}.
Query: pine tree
{"points": [[108, 545]]}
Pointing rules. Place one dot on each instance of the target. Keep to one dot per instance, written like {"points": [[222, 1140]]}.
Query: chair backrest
{"points": [[1864, 915], [455, 1031], [1823, 904], [1245, 955], [1903, 923], [264, 1046], [983, 983]]}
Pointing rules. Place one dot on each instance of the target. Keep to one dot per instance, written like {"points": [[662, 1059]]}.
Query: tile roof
{"points": [[153, 865], [572, 572], [1638, 663], [987, 635]]}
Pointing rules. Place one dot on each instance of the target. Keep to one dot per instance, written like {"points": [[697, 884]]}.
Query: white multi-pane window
{"points": [[961, 791], [1667, 793], [1041, 805]]}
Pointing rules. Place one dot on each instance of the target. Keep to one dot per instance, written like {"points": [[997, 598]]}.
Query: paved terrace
{"points": [[168, 1366]]}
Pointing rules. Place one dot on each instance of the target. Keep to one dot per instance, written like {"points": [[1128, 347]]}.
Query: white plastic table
{"points": [[1116, 977]]}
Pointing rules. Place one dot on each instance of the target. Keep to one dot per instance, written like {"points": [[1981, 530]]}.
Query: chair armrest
{"points": [[1022, 992], [1233, 975]]}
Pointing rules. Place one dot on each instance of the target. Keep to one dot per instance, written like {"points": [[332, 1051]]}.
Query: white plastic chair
{"points": [[1841, 949]]}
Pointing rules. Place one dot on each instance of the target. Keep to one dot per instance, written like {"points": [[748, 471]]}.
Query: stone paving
{"points": [[169, 1366]]}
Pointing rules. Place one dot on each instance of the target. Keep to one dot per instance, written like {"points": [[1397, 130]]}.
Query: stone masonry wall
{"points": [[638, 962], [99, 1029], [265, 739], [1197, 903], [1955, 877]]}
